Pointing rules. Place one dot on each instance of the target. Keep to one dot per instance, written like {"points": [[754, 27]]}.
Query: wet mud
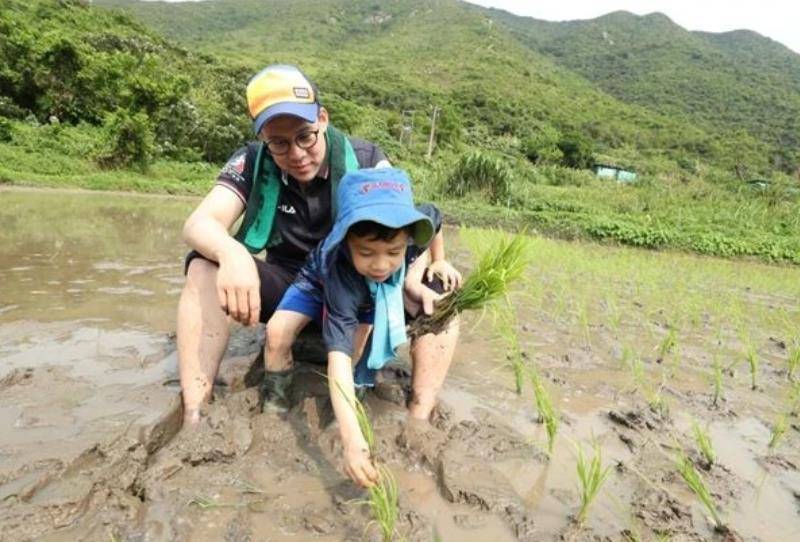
{"points": [[94, 450]]}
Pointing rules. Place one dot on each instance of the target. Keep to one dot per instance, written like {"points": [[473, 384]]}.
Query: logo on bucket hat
{"points": [[281, 89]]}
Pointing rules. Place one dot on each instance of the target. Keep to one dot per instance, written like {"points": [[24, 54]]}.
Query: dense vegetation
{"points": [[735, 81], [515, 133]]}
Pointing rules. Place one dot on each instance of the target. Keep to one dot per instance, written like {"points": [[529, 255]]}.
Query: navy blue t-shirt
{"points": [[343, 291]]}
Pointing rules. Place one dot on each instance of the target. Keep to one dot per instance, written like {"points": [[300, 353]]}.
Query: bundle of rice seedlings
{"points": [[497, 268], [698, 486], [591, 477]]}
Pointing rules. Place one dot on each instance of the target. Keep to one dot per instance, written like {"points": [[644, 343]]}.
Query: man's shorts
{"points": [[275, 277]]}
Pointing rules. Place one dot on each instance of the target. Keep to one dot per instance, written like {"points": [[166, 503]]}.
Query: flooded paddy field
{"points": [[640, 352]]}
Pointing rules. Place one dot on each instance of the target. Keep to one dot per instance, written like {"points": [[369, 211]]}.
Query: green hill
{"points": [[736, 81], [516, 134]]}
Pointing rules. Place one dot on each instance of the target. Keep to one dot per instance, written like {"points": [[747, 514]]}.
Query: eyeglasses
{"points": [[304, 140]]}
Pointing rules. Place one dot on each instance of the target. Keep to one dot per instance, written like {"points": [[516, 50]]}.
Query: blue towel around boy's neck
{"points": [[389, 326]]}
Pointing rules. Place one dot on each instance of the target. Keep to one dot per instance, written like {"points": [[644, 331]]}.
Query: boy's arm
{"points": [[439, 266], [415, 290], [357, 461]]}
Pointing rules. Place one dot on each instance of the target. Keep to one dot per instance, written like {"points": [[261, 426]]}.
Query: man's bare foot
{"points": [[191, 418]]}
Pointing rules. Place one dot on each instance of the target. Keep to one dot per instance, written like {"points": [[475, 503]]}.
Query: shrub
{"points": [[542, 147], [577, 150], [5, 130], [481, 172], [127, 140]]}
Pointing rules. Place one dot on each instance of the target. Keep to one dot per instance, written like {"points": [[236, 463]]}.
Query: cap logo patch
{"points": [[300, 92], [385, 185]]}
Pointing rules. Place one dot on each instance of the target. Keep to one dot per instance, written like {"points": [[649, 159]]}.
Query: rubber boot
{"points": [[276, 390]]}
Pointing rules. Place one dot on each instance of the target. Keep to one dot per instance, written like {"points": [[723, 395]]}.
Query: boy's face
{"points": [[375, 259]]}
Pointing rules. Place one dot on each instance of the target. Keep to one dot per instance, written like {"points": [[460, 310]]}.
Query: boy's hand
{"points": [[451, 278], [358, 465]]}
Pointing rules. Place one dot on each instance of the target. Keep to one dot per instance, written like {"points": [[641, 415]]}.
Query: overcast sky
{"points": [[777, 19]]}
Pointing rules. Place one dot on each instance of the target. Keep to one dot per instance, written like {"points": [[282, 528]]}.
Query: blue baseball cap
{"points": [[381, 195]]}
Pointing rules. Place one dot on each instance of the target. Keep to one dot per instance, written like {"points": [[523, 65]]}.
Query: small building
{"points": [[610, 171]]}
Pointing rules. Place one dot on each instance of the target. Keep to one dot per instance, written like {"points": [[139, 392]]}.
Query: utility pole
{"points": [[432, 136]]}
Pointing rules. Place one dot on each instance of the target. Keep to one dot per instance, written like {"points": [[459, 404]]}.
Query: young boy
{"points": [[359, 280]]}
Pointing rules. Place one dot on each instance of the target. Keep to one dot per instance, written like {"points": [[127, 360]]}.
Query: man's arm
{"points": [[207, 231]]}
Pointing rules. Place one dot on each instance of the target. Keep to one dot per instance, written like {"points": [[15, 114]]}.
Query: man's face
{"points": [[376, 259], [302, 164]]}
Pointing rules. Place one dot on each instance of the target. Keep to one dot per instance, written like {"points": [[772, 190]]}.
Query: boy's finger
{"points": [[429, 274], [222, 296]]}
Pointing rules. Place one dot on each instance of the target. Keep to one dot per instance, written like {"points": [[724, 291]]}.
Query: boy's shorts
{"points": [[300, 301]]}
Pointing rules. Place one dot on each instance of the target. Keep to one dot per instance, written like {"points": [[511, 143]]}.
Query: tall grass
{"points": [[497, 268], [591, 477], [699, 488], [481, 172]]}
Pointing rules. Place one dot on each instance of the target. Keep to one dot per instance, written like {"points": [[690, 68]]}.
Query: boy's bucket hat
{"points": [[381, 195]]}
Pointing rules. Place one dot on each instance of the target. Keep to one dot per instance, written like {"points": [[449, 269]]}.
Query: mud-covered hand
{"points": [[238, 286], [450, 276], [358, 465], [422, 295]]}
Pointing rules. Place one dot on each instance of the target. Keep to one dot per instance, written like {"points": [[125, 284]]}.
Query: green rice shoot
{"points": [[698, 486], [591, 477], [703, 441], [716, 376], [547, 412], [383, 496], [753, 362], [793, 362], [507, 324], [778, 431]]}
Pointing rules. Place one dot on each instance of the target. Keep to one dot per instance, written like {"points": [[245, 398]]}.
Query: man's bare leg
{"points": [[202, 336], [431, 356]]}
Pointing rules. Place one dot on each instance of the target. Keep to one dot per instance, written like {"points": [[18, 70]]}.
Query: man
{"points": [[284, 186]]}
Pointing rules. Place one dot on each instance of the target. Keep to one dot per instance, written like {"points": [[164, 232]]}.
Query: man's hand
{"points": [[238, 286], [450, 276], [358, 464]]}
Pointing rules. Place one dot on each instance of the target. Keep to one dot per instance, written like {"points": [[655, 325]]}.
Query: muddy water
{"points": [[90, 448]]}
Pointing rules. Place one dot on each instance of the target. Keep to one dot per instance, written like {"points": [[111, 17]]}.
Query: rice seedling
{"points": [[205, 504], [717, 381], [668, 343], [547, 412], [703, 441], [778, 431], [507, 328], [699, 488], [497, 268], [794, 399], [794, 362], [383, 502], [753, 362], [591, 477], [383, 495]]}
